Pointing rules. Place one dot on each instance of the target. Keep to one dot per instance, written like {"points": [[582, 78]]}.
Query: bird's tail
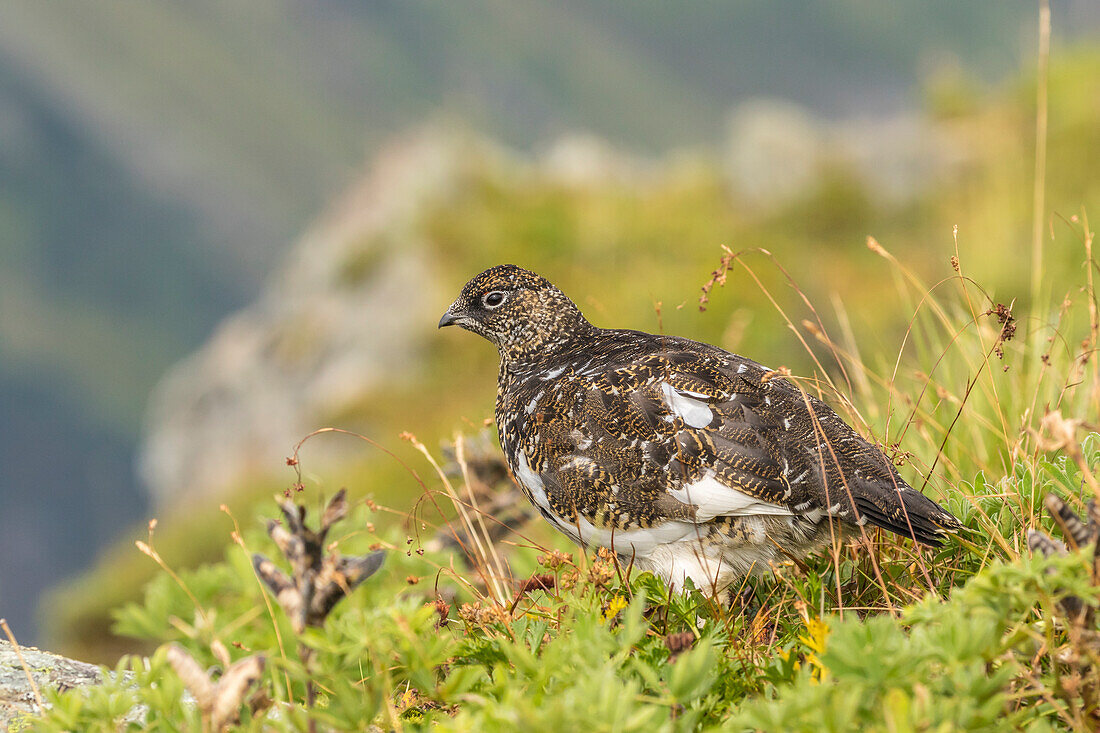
{"points": [[904, 511]]}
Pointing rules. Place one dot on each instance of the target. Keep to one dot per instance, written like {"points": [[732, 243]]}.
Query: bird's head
{"points": [[519, 311]]}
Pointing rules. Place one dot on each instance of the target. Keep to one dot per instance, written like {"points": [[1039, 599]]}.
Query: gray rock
{"points": [[49, 671]]}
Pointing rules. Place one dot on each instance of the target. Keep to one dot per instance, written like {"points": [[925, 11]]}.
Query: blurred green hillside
{"points": [[634, 252]]}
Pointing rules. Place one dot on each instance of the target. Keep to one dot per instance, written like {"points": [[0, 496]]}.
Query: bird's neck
{"points": [[534, 347]]}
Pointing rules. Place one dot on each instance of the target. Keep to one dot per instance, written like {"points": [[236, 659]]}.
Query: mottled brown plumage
{"points": [[689, 460]]}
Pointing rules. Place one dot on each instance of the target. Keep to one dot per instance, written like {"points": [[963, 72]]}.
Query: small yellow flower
{"points": [[814, 638], [614, 606]]}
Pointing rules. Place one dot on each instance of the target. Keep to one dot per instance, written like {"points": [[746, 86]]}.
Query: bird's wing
{"points": [[701, 432], [725, 436]]}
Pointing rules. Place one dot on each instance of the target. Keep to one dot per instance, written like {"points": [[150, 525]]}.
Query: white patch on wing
{"points": [[714, 499], [584, 371], [693, 412]]}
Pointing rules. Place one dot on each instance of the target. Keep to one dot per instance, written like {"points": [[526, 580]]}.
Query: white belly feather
{"points": [[673, 550]]}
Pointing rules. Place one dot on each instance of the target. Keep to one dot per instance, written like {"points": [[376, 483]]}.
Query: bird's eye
{"points": [[493, 299]]}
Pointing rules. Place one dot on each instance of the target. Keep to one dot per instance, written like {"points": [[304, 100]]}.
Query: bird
{"points": [[682, 458]]}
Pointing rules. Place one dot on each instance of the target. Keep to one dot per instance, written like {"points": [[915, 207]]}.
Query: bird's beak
{"points": [[455, 316]]}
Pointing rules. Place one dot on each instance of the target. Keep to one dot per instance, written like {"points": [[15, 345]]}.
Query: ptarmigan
{"points": [[684, 459]]}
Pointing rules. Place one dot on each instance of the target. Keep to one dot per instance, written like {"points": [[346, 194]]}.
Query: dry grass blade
{"points": [[486, 535], [1039, 189], [488, 563]]}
